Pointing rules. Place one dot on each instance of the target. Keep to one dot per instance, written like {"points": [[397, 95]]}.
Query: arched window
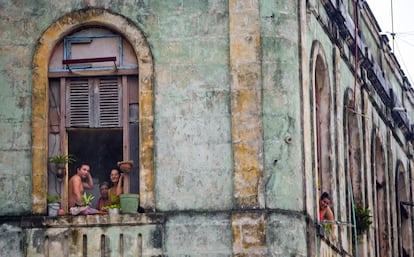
{"points": [[93, 105], [92, 97], [354, 150], [404, 212], [381, 199], [354, 192], [322, 118]]}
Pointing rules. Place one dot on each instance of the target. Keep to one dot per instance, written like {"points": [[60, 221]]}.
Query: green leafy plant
{"points": [[327, 228], [52, 198], [87, 198], [363, 220], [113, 206], [62, 159]]}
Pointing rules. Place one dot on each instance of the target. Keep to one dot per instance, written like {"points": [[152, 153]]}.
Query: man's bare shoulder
{"points": [[75, 179]]}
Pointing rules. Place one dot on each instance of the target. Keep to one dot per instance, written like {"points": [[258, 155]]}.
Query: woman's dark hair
{"points": [[325, 195], [116, 168]]}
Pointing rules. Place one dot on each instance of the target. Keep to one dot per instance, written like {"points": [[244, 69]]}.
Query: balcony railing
{"points": [[94, 235]]}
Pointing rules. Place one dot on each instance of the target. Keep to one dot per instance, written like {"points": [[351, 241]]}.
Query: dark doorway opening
{"points": [[101, 149]]}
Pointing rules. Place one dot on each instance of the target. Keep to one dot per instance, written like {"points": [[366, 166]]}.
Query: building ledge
{"points": [[96, 220]]}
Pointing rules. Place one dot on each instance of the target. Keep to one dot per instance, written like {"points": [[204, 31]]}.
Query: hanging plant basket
{"points": [[60, 173], [58, 165], [62, 159], [125, 166]]}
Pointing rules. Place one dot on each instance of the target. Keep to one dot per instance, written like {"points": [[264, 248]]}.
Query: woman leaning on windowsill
{"points": [[117, 179]]}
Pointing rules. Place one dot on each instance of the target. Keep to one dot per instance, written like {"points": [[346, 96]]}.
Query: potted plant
{"points": [[125, 166], [59, 162], [363, 219], [129, 203], [111, 209], [85, 208], [53, 204], [87, 199]]}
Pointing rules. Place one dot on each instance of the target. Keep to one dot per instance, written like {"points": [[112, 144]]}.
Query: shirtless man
{"points": [[77, 185]]}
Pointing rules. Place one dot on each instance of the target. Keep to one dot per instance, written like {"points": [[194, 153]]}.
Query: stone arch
{"points": [[322, 109], [43, 52]]}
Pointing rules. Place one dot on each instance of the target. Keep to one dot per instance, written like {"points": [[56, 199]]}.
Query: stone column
{"points": [[249, 228], [246, 103]]}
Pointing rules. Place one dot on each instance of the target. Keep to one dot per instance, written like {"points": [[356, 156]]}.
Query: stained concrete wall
{"points": [[189, 43], [207, 234], [192, 105], [281, 105], [193, 155], [11, 238], [16, 47], [233, 122]]}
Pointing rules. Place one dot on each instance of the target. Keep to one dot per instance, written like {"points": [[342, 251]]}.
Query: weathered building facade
{"points": [[237, 115]]}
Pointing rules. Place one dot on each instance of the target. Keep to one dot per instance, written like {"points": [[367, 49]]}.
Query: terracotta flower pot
{"points": [[125, 166], [61, 212]]}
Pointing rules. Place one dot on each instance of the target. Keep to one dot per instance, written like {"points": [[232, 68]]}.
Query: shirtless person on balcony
{"points": [[78, 183]]}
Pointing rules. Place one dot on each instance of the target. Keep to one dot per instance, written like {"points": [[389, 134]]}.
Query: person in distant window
{"points": [[104, 199], [325, 212], [116, 178], [78, 183]]}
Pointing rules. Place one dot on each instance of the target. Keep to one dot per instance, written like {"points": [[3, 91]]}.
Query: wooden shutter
{"points": [[94, 102], [109, 103], [78, 103]]}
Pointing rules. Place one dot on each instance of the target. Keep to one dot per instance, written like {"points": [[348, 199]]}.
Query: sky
{"points": [[400, 21]]}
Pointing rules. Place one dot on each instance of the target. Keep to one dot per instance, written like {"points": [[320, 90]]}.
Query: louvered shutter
{"points": [[109, 103], [94, 102], [78, 103]]}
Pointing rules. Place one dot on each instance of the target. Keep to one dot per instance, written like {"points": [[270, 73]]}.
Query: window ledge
{"points": [[95, 220]]}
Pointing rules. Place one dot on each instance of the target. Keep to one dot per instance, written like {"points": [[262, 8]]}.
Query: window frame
{"points": [[40, 86], [93, 84]]}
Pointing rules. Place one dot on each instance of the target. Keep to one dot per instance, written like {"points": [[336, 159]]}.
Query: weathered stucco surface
{"points": [[194, 134], [206, 234], [228, 152], [192, 115], [281, 105]]}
